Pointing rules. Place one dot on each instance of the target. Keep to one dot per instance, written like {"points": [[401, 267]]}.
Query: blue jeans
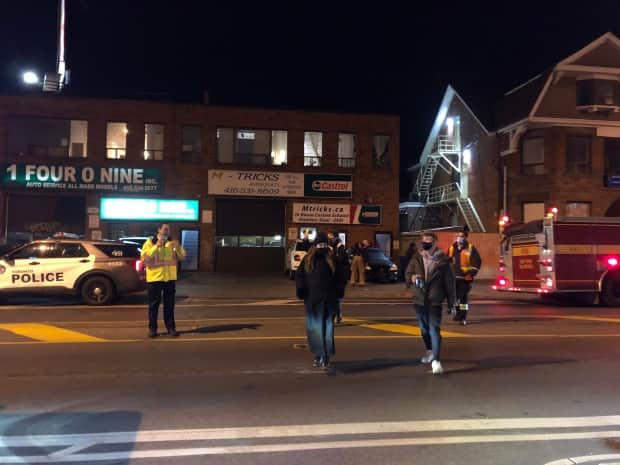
{"points": [[320, 329], [429, 320]]}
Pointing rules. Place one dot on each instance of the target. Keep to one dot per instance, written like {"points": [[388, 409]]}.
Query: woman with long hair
{"points": [[320, 281]]}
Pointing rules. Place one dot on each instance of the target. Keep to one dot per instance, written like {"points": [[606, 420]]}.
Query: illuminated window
{"points": [[116, 141], [153, 141], [313, 148], [533, 211], [381, 150], [578, 209], [279, 147]]}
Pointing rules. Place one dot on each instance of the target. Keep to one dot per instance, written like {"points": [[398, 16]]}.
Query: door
{"points": [[190, 240], [43, 264], [383, 241]]}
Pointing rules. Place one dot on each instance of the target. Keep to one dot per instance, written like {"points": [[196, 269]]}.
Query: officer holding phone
{"points": [[161, 255]]}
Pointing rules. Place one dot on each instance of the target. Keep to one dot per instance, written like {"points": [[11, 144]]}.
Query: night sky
{"points": [[382, 57]]}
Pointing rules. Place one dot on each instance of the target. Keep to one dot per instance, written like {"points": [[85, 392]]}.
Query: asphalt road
{"points": [[525, 383]]}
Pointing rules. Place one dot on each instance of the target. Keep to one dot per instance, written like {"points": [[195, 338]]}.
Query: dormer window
{"points": [[597, 94]]}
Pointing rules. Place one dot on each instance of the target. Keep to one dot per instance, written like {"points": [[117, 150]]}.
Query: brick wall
{"points": [[371, 185]]}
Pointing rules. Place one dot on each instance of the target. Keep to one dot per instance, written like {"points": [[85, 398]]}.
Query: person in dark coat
{"points": [[320, 281], [433, 282]]}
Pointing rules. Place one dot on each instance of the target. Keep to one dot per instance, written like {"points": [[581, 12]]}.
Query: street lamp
{"points": [[30, 78]]}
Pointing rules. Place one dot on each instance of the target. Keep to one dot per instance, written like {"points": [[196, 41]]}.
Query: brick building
{"points": [[239, 185], [554, 142]]}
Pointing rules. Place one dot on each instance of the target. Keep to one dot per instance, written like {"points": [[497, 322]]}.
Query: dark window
{"points": [[192, 144], [36, 250], [533, 157], [153, 141], [119, 250], [598, 92], [347, 150], [578, 157], [252, 146], [70, 250], [612, 156], [47, 137], [381, 150]]}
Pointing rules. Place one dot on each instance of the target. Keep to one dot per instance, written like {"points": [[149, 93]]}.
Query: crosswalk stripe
{"points": [[48, 333], [312, 437]]}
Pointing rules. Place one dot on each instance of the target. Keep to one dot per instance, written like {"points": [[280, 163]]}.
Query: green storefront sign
{"points": [[118, 208], [83, 178]]}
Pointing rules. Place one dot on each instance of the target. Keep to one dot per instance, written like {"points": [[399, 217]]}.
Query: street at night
{"points": [[309, 233], [525, 383]]}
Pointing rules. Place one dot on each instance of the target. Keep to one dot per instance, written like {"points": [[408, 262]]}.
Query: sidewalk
{"points": [[277, 286]]}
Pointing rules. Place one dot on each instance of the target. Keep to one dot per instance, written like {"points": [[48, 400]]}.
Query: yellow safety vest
{"points": [[161, 261], [465, 257]]}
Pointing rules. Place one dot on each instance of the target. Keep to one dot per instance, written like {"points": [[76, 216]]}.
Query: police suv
{"points": [[98, 271]]}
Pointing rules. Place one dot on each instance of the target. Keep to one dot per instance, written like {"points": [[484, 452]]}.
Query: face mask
{"points": [[427, 245], [460, 240]]}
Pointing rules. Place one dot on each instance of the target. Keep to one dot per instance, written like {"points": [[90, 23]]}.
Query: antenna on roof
{"points": [[55, 81]]}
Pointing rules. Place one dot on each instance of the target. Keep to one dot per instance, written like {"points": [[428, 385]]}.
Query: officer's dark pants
{"points": [[155, 291], [462, 292], [429, 321]]}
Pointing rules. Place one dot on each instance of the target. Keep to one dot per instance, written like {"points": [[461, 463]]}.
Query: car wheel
{"points": [[98, 290], [611, 290]]}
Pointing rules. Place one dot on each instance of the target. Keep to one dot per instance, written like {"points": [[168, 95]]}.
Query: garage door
{"points": [[249, 236]]}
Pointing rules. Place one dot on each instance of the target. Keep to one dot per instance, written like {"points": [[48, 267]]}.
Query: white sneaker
{"points": [[428, 357], [436, 367]]}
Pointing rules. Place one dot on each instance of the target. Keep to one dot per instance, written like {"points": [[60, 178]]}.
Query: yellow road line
{"points": [[600, 319], [292, 338], [48, 333], [399, 328]]}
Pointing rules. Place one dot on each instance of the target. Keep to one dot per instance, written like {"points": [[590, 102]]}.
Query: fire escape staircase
{"points": [[446, 156]]}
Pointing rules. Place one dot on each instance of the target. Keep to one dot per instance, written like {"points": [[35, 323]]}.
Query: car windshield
{"points": [[377, 255]]}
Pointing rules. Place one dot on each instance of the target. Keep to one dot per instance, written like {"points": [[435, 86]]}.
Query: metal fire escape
{"points": [[446, 155]]}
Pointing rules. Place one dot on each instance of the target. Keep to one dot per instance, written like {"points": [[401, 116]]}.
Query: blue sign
{"points": [[612, 181]]}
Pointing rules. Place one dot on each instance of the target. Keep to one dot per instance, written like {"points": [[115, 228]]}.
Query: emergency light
{"points": [[612, 262]]}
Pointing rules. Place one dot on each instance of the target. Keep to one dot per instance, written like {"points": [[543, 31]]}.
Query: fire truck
{"points": [[576, 257]]}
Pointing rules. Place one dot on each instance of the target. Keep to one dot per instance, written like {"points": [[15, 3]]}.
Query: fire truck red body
{"points": [[563, 255]]}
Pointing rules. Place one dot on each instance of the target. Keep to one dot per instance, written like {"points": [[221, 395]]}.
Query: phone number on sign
{"points": [[251, 191]]}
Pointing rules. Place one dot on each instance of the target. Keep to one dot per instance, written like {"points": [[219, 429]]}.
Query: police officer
{"points": [[161, 255], [466, 262]]}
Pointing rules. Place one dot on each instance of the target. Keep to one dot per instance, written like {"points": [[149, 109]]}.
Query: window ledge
{"points": [[599, 108]]}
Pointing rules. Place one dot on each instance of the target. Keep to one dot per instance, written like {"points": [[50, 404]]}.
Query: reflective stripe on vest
{"points": [[465, 258]]}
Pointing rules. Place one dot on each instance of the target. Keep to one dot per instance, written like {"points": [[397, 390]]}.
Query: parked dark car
{"points": [[380, 268]]}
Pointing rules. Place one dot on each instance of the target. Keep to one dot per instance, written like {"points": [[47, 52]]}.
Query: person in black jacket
{"points": [[320, 281], [342, 257], [466, 263], [433, 282]]}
